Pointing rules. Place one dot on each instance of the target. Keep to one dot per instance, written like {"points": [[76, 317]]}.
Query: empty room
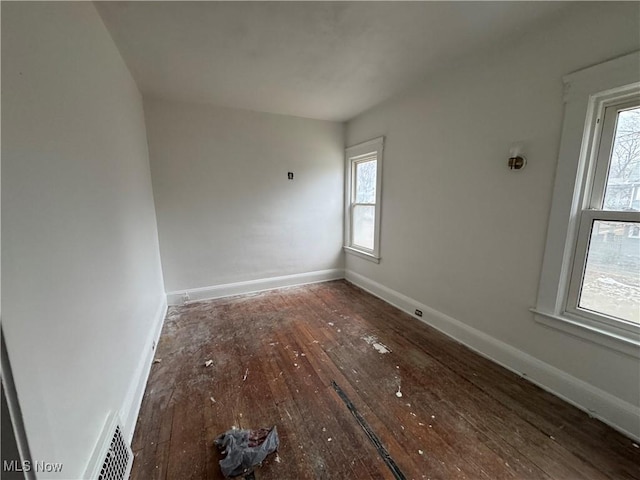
{"points": [[320, 240]]}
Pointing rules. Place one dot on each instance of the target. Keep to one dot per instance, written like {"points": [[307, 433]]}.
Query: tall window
{"points": [[605, 279], [363, 182], [590, 279]]}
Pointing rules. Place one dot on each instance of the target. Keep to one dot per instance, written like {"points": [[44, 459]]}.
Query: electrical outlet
{"points": [[418, 312], [185, 297]]}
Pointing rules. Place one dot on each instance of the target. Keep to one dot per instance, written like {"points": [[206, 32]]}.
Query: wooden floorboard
{"points": [[275, 355]]}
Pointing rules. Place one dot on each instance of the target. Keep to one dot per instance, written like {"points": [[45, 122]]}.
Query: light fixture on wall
{"points": [[517, 163], [517, 160]]}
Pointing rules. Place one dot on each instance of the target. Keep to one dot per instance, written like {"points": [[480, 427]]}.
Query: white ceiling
{"points": [[324, 60]]}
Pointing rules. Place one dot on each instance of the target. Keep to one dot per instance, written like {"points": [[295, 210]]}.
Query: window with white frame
{"points": [[590, 282], [605, 278], [362, 194]]}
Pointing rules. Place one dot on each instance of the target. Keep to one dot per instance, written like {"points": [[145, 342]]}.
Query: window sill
{"points": [[615, 338], [361, 254]]}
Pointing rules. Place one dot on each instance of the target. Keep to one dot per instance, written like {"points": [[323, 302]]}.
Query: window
{"points": [[590, 281], [362, 193], [605, 279]]}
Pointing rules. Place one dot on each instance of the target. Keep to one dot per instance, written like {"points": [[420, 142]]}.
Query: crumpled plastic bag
{"points": [[245, 449]]}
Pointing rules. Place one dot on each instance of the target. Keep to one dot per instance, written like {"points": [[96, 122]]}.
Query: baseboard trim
{"points": [[133, 401], [599, 404], [252, 286]]}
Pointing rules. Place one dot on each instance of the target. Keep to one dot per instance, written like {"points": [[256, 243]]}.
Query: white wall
{"points": [[226, 210], [82, 281], [460, 232]]}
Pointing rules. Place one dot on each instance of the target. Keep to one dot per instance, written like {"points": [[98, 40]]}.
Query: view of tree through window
{"points": [[623, 182], [611, 279], [364, 209], [366, 182]]}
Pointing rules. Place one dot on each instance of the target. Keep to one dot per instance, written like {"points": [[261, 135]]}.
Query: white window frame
{"points": [[354, 155], [591, 206], [578, 185]]}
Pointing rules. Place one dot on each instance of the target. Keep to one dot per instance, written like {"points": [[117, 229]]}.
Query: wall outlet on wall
{"points": [[418, 312]]}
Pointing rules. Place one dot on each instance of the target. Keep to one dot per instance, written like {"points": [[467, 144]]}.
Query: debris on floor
{"points": [[157, 360], [379, 346], [399, 393], [208, 363], [245, 450]]}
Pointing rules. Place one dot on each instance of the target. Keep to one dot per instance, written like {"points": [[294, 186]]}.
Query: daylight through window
{"points": [[606, 278], [362, 214]]}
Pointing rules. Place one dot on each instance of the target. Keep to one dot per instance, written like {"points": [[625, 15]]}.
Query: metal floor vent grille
{"points": [[119, 458]]}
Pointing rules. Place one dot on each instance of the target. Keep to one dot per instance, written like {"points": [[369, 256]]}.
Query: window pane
{"points": [[622, 191], [363, 225], [366, 182], [611, 283]]}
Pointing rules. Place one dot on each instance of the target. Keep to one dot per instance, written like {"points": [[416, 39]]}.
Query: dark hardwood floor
{"points": [[459, 416]]}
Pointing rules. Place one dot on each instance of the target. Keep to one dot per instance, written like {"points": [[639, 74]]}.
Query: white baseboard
{"points": [[609, 409], [128, 413], [252, 286], [133, 401]]}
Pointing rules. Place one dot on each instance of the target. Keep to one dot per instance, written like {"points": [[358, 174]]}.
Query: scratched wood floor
{"points": [[460, 415]]}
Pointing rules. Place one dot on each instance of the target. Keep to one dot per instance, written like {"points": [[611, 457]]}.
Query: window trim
{"points": [[354, 155], [587, 93]]}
